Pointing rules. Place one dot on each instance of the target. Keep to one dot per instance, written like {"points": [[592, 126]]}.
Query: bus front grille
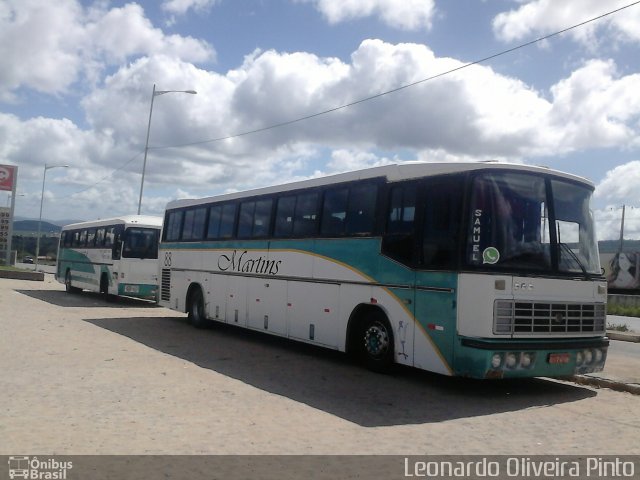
{"points": [[165, 285], [517, 317]]}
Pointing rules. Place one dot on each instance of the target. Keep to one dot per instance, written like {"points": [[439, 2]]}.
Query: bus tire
{"points": [[195, 309], [67, 283], [104, 288], [375, 341]]}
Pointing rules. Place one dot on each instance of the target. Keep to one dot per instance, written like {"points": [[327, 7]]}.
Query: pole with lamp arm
{"points": [[154, 94], [44, 177]]}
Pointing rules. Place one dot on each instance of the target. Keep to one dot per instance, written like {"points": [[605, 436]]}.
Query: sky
{"points": [[76, 83]]}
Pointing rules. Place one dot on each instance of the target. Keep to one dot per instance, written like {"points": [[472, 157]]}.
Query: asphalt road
{"points": [[85, 376], [624, 349]]}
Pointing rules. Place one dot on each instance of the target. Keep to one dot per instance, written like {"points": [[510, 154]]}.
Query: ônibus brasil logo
{"points": [[37, 469]]}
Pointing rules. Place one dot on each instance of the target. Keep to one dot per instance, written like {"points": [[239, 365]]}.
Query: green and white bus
{"points": [[483, 270], [115, 256]]}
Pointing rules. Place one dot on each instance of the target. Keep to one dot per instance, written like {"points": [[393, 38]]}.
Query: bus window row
{"points": [[338, 211], [95, 237]]}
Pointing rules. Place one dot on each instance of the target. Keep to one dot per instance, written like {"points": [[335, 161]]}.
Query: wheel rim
{"points": [[376, 340]]}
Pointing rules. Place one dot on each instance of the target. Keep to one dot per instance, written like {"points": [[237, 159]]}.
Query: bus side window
{"points": [[443, 204], [194, 220], [245, 222], [173, 225], [399, 239], [284, 216], [362, 208], [305, 222], [82, 242], [255, 218], [228, 220], [100, 237], [334, 211], [109, 237], [262, 218], [91, 237], [215, 215]]}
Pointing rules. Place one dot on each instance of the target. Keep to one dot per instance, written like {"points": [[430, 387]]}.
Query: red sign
{"points": [[7, 176]]}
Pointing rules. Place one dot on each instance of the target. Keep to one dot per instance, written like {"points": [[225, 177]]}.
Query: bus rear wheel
{"points": [[375, 342], [195, 309]]}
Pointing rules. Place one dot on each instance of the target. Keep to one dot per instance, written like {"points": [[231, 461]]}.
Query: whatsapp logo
{"points": [[490, 255]]}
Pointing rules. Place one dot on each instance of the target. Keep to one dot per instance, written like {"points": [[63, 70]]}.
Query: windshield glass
{"points": [[511, 228], [140, 243], [577, 246]]}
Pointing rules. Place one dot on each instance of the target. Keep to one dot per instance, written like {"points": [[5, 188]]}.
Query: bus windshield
{"points": [[513, 227], [140, 243]]}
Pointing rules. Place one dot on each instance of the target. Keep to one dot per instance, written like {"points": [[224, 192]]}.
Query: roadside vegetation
{"points": [[623, 311]]}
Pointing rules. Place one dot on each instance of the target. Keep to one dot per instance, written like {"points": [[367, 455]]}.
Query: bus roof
{"points": [[127, 220], [392, 173]]}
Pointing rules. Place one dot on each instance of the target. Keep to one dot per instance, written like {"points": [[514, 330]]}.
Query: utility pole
{"points": [[622, 230]]}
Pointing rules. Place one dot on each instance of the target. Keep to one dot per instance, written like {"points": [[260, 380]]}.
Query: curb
{"points": [[624, 336], [606, 383], [22, 275]]}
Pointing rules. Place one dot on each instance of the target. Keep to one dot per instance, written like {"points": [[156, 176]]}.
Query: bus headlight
{"points": [[597, 354], [588, 356], [510, 360], [579, 358], [525, 360], [496, 360]]}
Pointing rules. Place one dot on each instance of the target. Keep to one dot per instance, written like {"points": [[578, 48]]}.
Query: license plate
{"points": [[556, 358]]}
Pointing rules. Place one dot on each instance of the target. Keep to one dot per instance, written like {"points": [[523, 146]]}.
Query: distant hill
{"points": [[611, 246], [32, 226]]}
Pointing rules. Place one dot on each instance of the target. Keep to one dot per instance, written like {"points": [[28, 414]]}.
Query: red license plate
{"points": [[556, 358]]}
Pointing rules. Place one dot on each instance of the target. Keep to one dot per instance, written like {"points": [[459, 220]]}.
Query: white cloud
{"points": [[540, 17], [402, 14], [60, 42], [473, 114], [596, 107], [621, 185], [181, 7]]}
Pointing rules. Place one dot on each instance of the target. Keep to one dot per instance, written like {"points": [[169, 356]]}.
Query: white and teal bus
{"points": [[115, 256], [483, 270]]}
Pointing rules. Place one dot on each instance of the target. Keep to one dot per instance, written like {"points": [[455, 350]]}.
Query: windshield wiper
{"points": [[576, 259]]}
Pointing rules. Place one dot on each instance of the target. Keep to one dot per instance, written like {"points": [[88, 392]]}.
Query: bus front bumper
{"points": [[517, 358]]}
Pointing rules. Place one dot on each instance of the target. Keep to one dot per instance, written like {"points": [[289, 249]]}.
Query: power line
{"points": [[372, 97], [121, 167], [402, 87]]}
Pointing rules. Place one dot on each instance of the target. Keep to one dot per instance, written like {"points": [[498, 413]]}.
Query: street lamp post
{"points": [[11, 196], [154, 94], [44, 177]]}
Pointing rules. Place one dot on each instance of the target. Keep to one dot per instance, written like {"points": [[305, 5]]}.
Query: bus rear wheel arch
{"points": [[195, 307], [370, 338]]}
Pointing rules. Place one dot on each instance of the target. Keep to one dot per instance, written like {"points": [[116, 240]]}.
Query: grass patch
{"points": [[5, 268], [617, 328], [623, 311]]}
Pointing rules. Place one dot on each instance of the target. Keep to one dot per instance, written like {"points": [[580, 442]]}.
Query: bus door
{"points": [[440, 206]]}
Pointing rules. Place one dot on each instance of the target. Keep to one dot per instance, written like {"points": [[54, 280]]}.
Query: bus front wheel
{"points": [[197, 316], [67, 283], [375, 342], [104, 287]]}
